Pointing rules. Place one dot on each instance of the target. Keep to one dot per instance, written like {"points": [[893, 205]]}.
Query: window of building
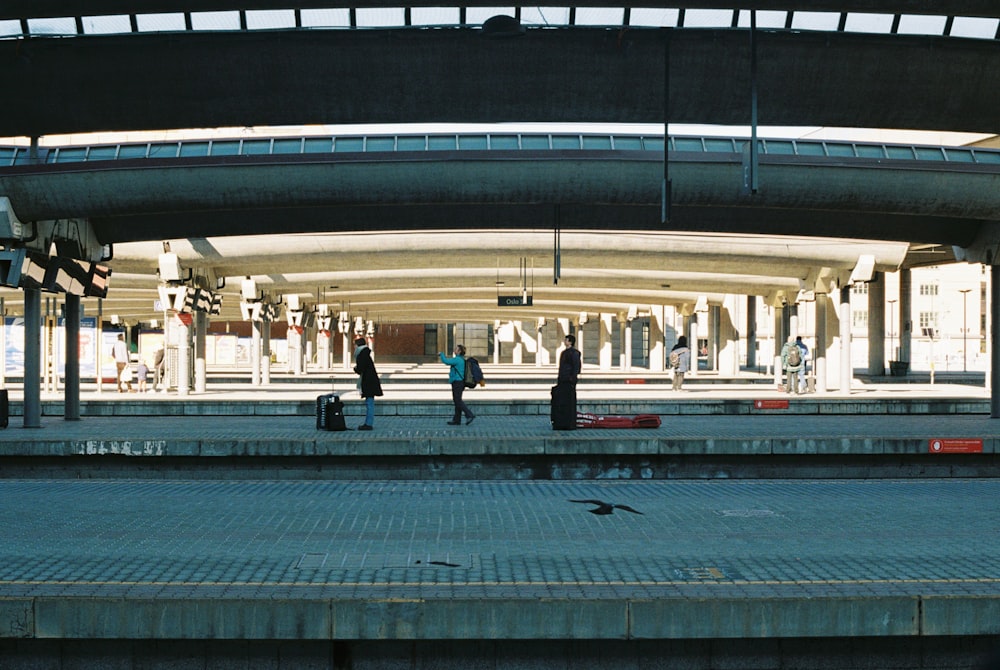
{"points": [[928, 289], [928, 320], [861, 288], [859, 318]]}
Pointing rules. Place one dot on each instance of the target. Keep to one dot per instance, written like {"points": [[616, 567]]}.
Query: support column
{"points": [[729, 338], [657, 355], [714, 336], [255, 349], [32, 358], [72, 330], [626, 338], [604, 353], [778, 340], [994, 326], [906, 313], [539, 343], [517, 351], [692, 330], [820, 346], [751, 331], [793, 321], [200, 364], [876, 325], [265, 353], [183, 358], [846, 364]]}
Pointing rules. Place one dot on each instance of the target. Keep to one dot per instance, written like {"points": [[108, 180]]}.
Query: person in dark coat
{"points": [[368, 383], [570, 364]]}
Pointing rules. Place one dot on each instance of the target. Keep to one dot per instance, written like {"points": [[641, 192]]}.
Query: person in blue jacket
{"points": [[456, 376]]}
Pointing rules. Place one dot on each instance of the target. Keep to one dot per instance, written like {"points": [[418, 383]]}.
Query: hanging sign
{"points": [[513, 301]]}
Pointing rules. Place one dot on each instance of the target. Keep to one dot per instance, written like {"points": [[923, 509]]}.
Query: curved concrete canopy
{"points": [[450, 75], [916, 201], [442, 275]]}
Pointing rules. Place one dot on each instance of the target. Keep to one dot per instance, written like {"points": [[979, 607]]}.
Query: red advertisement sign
{"points": [[955, 445], [770, 404]]}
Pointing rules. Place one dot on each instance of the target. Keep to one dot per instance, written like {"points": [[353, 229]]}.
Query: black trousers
{"points": [[457, 389]]}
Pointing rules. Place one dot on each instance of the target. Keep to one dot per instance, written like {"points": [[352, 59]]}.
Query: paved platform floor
{"points": [[478, 560]]}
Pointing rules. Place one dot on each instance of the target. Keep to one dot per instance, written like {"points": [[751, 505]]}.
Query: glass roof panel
{"points": [[435, 16], [655, 16], [967, 26], [270, 19], [215, 20], [708, 18], [326, 18], [103, 25], [545, 16], [919, 24], [10, 28], [815, 20], [858, 22], [765, 19], [151, 23], [58, 26], [478, 15], [600, 16], [380, 17]]}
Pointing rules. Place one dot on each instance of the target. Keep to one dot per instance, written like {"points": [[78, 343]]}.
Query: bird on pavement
{"points": [[606, 507]]}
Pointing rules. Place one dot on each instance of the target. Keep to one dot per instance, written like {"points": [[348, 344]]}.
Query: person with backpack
{"points": [[805, 363], [791, 361], [680, 361], [456, 377]]}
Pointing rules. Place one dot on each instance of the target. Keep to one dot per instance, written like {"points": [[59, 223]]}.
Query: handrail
{"points": [[13, 156]]}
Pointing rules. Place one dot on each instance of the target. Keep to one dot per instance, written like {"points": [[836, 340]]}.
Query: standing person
{"points": [[368, 383], [680, 361], [791, 361], [805, 363], [119, 352], [142, 372], [570, 364], [158, 368], [456, 376]]}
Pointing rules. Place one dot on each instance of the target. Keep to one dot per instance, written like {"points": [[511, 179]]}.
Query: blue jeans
{"points": [[370, 411]]}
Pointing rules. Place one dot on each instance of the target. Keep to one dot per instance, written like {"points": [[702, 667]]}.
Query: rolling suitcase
{"points": [[330, 412], [563, 408]]}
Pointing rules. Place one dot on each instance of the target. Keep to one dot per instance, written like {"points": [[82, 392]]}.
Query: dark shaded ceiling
{"points": [[154, 81]]}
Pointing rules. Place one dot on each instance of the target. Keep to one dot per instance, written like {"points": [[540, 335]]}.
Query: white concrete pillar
{"points": [[846, 364], [265, 353], [517, 351], [200, 363], [821, 345], [778, 341], [692, 330], [751, 331], [876, 325], [255, 352], [729, 337], [657, 355], [604, 337], [626, 329]]}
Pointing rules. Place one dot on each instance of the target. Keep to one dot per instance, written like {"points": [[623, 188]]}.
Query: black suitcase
{"points": [[330, 412], [563, 408]]}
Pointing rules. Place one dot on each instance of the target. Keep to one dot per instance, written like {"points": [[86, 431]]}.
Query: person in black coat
{"points": [[368, 383], [570, 364]]}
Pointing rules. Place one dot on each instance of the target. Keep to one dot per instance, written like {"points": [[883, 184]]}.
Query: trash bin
{"points": [[898, 368]]}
